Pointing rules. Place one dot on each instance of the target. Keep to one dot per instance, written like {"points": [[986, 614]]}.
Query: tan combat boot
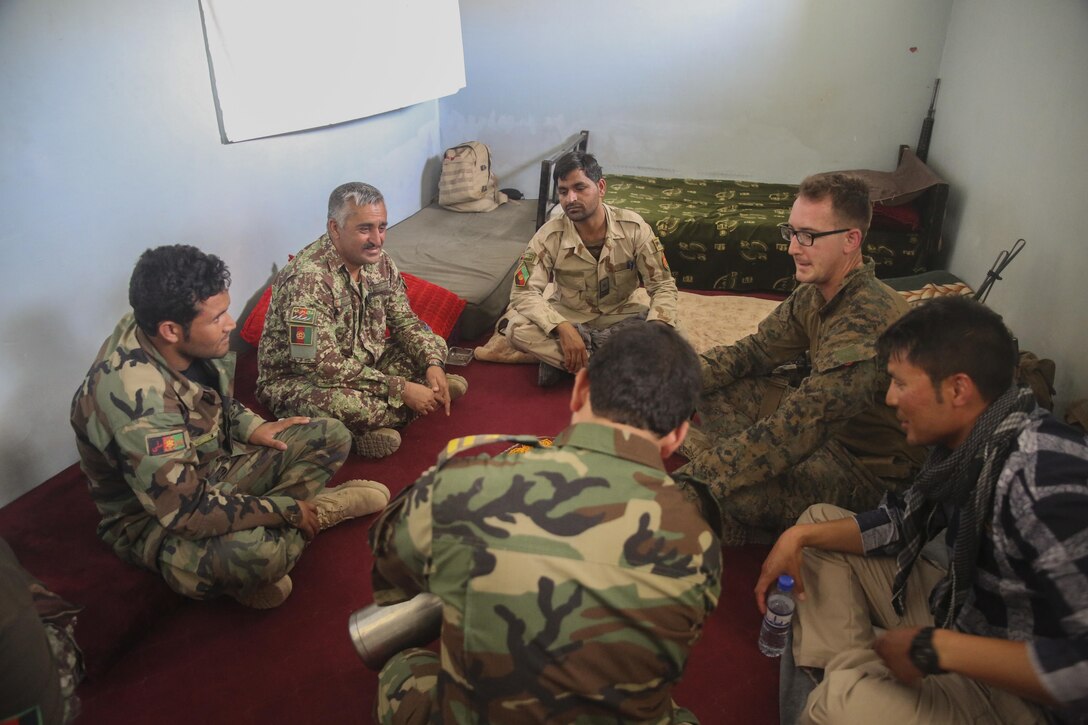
{"points": [[348, 501], [458, 386], [266, 596], [377, 443]]}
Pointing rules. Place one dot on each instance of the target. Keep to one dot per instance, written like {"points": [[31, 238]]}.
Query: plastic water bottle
{"points": [[775, 631]]}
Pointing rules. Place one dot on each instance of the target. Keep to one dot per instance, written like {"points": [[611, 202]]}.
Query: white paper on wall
{"points": [[281, 67]]}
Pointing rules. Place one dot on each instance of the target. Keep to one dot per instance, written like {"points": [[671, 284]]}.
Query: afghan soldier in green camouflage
{"points": [[597, 256], [769, 450], [324, 350], [574, 579], [190, 483]]}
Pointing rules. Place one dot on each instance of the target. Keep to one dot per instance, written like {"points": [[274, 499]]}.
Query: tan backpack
{"points": [[467, 182]]}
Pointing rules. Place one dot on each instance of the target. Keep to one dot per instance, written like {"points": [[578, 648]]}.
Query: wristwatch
{"points": [[435, 362], [922, 654]]}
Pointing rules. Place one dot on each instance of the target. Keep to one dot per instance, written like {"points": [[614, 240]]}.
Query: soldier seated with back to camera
{"points": [[769, 449], [574, 579]]}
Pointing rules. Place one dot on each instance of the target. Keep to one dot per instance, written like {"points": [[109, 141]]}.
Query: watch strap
{"points": [[923, 655]]}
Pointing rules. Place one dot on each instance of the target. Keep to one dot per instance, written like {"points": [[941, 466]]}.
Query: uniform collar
{"points": [[612, 442], [570, 238], [185, 388], [327, 255], [854, 278]]}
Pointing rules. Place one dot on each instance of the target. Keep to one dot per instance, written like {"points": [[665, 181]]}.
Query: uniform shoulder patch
{"points": [[305, 315], [303, 346], [844, 356], [521, 276], [459, 445], [160, 444]]}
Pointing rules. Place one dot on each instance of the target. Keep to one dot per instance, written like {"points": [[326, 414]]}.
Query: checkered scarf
{"points": [[965, 477]]}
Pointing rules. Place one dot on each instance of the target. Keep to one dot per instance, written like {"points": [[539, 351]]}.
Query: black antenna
{"points": [[1000, 263], [922, 152]]}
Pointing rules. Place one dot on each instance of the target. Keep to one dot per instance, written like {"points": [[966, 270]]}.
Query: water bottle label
{"points": [[778, 620]]}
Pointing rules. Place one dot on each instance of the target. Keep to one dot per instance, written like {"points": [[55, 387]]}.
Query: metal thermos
{"points": [[380, 632]]}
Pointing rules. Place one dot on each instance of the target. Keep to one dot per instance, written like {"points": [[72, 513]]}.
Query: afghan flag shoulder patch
{"points": [[160, 444], [302, 335]]}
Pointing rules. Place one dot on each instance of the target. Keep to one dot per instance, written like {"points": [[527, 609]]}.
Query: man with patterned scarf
{"points": [[999, 631]]}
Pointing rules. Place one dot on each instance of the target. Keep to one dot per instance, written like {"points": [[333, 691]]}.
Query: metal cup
{"points": [[380, 632]]}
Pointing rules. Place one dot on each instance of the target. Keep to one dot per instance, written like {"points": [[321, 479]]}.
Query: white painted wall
{"points": [[744, 89], [1011, 138], [109, 145]]}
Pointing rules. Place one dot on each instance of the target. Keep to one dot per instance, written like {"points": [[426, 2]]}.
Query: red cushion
{"points": [[436, 306], [896, 218], [251, 331]]}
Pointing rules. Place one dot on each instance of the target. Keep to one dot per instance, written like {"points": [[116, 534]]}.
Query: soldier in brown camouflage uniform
{"points": [[191, 483], [597, 256], [768, 449], [324, 349], [574, 579]]}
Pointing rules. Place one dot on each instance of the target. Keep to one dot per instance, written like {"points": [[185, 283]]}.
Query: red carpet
{"points": [[153, 656]]}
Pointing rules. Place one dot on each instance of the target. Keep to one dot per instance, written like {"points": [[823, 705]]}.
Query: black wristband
{"points": [[923, 655]]}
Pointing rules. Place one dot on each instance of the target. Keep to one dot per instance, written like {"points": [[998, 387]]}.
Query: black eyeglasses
{"points": [[805, 239]]}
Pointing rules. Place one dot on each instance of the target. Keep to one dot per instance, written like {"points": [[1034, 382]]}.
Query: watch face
{"points": [[922, 654]]}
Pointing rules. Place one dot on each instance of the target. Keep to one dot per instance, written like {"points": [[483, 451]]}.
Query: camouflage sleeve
{"points": [[160, 466], [407, 329], [779, 339], [654, 270], [243, 421], [805, 420], [534, 271], [401, 542], [321, 361]]}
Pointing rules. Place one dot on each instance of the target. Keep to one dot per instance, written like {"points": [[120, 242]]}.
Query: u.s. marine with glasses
{"points": [[769, 446]]}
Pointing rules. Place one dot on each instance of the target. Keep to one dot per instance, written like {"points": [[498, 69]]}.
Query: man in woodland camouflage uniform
{"points": [[769, 450], [574, 579], [324, 349], [190, 483], [597, 256]]}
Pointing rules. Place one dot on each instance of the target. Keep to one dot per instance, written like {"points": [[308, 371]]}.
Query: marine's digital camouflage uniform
{"points": [[180, 489], [831, 439], [324, 349], [574, 582], [595, 294]]}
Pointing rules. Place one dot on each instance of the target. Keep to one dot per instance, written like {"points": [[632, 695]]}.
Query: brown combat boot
{"points": [[349, 500], [266, 596], [377, 443]]}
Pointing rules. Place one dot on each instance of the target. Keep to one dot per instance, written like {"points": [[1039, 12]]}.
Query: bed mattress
{"points": [[471, 254]]}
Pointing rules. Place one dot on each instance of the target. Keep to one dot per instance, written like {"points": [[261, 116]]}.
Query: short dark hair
{"points": [[849, 197], [646, 376], [168, 282], [954, 334], [574, 160]]}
